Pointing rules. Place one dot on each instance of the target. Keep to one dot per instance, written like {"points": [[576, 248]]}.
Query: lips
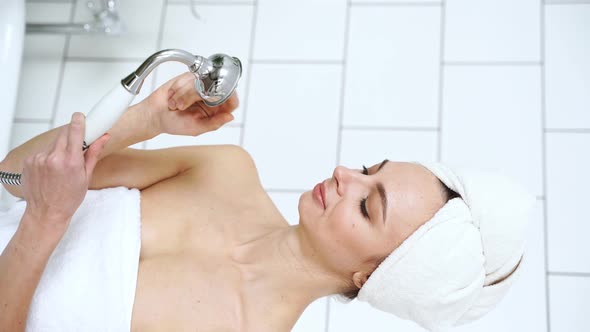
{"points": [[319, 193]]}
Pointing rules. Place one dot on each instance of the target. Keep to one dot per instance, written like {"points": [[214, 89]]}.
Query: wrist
{"points": [[152, 118], [42, 233]]}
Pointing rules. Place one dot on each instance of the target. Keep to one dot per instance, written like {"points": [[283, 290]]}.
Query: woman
{"points": [[216, 254]]}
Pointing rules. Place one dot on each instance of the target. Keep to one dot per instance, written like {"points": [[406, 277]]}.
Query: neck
{"points": [[281, 269]]}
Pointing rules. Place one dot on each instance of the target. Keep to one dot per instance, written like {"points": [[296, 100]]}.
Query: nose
{"points": [[345, 178]]}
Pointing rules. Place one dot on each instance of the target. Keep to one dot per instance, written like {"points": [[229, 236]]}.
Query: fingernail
{"points": [[170, 93], [171, 103]]}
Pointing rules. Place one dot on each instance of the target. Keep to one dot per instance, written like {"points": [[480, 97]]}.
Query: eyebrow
{"points": [[382, 193]]}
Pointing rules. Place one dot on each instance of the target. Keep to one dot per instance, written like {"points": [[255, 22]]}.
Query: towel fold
{"points": [[90, 279], [458, 265]]}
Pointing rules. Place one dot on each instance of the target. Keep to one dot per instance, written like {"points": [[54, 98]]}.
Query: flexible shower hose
{"points": [[10, 178], [14, 179]]}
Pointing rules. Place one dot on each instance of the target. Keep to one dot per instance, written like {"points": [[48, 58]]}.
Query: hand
{"points": [[55, 181], [178, 109]]}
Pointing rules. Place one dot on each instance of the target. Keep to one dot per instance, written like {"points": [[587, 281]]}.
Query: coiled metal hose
{"points": [[10, 178]]}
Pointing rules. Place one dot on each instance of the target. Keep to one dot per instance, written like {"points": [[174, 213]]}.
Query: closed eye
{"points": [[363, 205]]}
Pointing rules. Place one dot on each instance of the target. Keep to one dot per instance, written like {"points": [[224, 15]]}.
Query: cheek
{"points": [[342, 236], [348, 229]]}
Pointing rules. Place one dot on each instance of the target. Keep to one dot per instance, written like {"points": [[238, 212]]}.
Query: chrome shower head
{"points": [[217, 78]]}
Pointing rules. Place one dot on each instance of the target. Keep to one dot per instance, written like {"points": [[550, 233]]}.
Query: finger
{"points": [[76, 133], [215, 122], [175, 82], [93, 152], [186, 96], [231, 103], [177, 87], [61, 141], [202, 108], [228, 106]]}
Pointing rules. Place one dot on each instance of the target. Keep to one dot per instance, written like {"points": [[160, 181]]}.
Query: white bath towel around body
{"points": [[90, 279]]}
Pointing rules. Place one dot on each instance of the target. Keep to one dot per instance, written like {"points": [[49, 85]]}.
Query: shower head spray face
{"points": [[217, 78]]}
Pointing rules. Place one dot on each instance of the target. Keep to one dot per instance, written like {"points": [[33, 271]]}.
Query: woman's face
{"points": [[365, 214]]}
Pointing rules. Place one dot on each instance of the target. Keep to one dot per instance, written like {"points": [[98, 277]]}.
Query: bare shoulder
{"points": [[226, 170], [224, 164]]}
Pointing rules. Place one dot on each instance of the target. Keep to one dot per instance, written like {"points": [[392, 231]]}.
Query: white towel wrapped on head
{"points": [[90, 279], [458, 265]]}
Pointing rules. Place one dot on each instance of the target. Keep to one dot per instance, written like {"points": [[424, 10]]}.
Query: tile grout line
{"points": [[340, 119], [568, 130], [567, 3], [569, 274], [296, 62], [250, 69], [441, 80], [62, 68], [213, 3], [392, 128], [101, 59], [493, 63], [544, 164], [279, 61], [175, 2], [396, 4], [30, 121]]}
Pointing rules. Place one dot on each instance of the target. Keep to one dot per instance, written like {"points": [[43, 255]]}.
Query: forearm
{"points": [[135, 125], [21, 265]]}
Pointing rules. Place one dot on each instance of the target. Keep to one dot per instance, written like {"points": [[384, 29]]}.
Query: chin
{"points": [[308, 208], [305, 206]]}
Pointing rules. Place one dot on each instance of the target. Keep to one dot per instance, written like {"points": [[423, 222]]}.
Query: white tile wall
{"points": [[369, 147], [360, 316], [570, 300], [568, 163], [142, 23], [287, 203], [42, 63], [207, 36], [353, 82], [305, 100], [313, 318], [492, 30], [491, 118], [370, 2], [392, 76], [300, 30], [567, 50]]}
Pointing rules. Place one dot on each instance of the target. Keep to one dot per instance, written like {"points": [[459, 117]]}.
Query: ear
{"points": [[359, 278]]}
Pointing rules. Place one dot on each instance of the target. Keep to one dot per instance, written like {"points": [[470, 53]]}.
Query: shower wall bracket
{"points": [[106, 21]]}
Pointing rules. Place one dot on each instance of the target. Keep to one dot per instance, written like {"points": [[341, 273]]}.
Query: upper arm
{"points": [[131, 168], [140, 169]]}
